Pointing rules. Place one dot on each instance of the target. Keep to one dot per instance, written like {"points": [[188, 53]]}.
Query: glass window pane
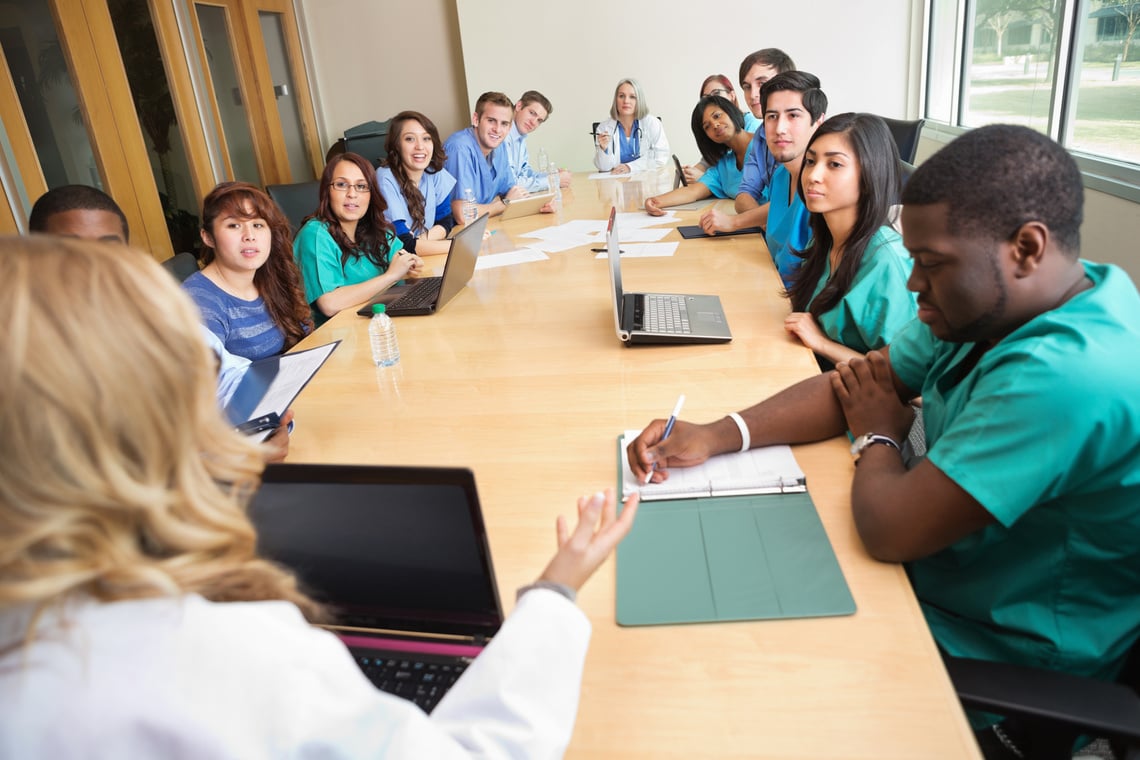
{"points": [[1009, 75], [942, 67], [1107, 94], [231, 105], [273, 32], [150, 91], [47, 95]]}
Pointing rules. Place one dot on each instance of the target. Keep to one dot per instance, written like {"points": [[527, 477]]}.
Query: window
{"points": [[1068, 68]]}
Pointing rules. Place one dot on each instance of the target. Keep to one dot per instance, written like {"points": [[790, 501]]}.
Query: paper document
{"points": [[271, 385], [509, 258], [770, 469], [644, 250]]}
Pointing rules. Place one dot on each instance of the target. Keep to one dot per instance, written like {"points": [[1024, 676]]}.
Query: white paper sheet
{"points": [[643, 250], [509, 258]]}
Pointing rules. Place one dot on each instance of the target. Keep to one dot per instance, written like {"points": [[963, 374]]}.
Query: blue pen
{"points": [[668, 430]]}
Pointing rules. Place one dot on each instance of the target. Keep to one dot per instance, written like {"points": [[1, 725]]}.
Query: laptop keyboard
{"points": [[423, 293], [419, 678], [657, 313]]}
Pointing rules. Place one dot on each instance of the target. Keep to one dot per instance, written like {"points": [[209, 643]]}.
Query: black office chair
{"points": [[906, 134], [1053, 708], [296, 200], [181, 265], [367, 139]]}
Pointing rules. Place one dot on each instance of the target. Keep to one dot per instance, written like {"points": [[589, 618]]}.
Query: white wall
{"points": [[370, 59], [670, 47]]}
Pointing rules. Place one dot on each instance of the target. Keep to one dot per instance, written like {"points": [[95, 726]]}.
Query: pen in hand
{"points": [[668, 430]]}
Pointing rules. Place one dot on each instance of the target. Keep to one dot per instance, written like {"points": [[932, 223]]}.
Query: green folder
{"points": [[728, 558]]}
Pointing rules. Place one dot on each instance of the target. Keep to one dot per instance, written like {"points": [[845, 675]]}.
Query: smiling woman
{"points": [[249, 291], [416, 187], [718, 127]]}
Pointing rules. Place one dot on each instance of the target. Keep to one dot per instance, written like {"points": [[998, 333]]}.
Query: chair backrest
{"points": [[296, 200], [906, 134], [181, 265], [367, 139]]}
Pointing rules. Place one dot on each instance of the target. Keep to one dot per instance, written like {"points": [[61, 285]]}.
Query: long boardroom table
{"points": [[522, 379]]}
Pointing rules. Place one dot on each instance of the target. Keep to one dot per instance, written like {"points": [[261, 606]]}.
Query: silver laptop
{"points": [[430, 294], [399, 557], [661, 317]]}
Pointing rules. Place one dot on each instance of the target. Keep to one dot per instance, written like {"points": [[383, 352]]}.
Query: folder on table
{"points": [[727, 558]]}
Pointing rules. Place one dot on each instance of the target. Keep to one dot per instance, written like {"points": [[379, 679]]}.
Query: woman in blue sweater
{"points": [[249, 290]]}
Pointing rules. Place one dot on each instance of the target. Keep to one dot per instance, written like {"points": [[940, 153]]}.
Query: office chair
{"points": [[181, 265], [906, 134], [367, 139], [296, 200], [1055, 708]]}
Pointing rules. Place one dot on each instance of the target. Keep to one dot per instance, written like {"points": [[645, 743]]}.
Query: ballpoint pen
{"points": [[668, 430]]}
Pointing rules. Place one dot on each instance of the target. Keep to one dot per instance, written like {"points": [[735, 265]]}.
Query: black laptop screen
{"points": [[383, 554]]}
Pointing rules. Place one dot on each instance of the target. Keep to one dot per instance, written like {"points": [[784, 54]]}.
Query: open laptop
{"points": [[430, 294], [398, 554], [531, 204], [661, 317], [679, 179]]}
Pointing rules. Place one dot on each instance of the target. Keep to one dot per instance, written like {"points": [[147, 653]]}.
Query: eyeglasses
{"points": [[342, 186], [718, 91]]}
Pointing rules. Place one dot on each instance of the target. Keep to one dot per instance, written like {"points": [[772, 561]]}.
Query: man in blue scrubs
{"points": [[794, 106], [478, 163], [1021, 526]]}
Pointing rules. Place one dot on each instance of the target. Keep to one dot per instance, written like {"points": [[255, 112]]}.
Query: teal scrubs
{"points": [[1045, 433], [877, 304], [318, 258]]}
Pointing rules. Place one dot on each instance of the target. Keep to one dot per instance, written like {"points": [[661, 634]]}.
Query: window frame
{"points": [[1102, 173]]}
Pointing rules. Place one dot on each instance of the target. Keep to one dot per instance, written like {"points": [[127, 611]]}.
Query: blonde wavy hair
{"points": [[119, 477]]}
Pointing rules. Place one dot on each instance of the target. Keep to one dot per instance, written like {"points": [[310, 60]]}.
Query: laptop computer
{"points": [[531, 204], [661, 317], [400, 557], [430, 294], [679, 179]]}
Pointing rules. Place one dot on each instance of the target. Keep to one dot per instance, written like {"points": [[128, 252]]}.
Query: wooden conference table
{"points": [[522, 378]]}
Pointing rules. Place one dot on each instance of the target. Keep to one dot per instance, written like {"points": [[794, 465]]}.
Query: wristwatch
{"points": [[863, 442]]}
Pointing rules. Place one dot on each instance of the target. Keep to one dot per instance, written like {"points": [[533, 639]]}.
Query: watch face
{"points": [[859, 444]]}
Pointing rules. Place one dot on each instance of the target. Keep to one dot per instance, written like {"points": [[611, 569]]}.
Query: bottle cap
{"points": [[378, 308]]}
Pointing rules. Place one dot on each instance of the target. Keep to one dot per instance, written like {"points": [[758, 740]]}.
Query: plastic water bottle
{"points": [[543, 160], [555, 181], [382, 333], [470, 211]]}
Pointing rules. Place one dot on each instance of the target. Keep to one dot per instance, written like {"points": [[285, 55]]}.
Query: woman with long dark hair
{"points": [[249, 290], [415, 186], [718, 128], [849, 295], [346, 250]]}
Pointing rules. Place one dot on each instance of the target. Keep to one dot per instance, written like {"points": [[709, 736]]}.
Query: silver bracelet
{"points": [[745, 437], [558, 588]]}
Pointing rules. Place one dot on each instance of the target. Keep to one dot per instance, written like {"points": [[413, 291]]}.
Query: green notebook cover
{"points": [[728, 558]]}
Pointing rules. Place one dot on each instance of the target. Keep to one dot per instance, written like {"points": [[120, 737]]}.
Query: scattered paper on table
{"points": [[643, 250], [509, 258], [644, 235]]}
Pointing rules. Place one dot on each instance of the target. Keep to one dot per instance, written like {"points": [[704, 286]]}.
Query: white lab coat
{"points": [[185, 677], [653, 136]]}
